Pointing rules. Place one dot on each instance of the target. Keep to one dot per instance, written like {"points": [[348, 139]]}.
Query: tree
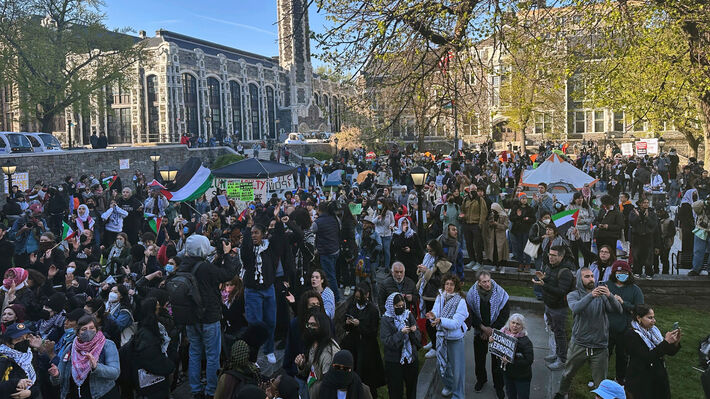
{"points": [[63, 58]]}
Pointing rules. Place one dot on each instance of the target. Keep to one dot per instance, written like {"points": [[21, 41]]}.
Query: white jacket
{"points": [[455, 328]]}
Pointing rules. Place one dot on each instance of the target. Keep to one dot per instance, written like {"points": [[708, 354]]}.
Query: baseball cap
{"points": [[609, 389], [16, 330]]}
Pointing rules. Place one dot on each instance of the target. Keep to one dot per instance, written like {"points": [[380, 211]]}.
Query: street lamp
{"points": [[168, 174], [335, 140], [661, 143], [9, 169], [419, 176], [155, 157], [208, 119]]}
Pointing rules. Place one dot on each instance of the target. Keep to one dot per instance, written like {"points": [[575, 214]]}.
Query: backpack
{"points": [[184, 294], [704, 353]]}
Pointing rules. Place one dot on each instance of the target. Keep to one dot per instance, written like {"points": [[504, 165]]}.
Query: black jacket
{"points": [[520, 225], [209, 277], [645, 229], [410, 259], [521, 367], [614, 219], [646, 375], [11, 373], [7, 251], [559, 280], [269, 259], [393, 339], [389, 286], [147, 355]]}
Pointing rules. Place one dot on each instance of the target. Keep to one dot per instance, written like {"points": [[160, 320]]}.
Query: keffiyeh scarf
{"points": [[498, 299], [651, 337], [258, 261], [400, 322], [23, 359], [80, 364], [429, 261], [449, 306]]}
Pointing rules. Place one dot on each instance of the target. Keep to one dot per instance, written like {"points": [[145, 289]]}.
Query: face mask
{"points": [[7, 283], [70, 270], [95, 273], [44, 246], [622, 277], [169, 268], [44, 314], [86, 336], [185, 230], [113, 297], [229, 288], [398, 311], [119, 243], [22, 346], [379, 206], [546, 221]]}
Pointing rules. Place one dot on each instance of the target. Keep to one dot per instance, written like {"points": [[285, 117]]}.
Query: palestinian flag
{"points": [[67, 231], [107, 182], [311, 378], [243, 214], [191, 182], [155, 223], [566, 219]]}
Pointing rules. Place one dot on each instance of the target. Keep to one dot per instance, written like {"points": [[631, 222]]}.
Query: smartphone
{"points": [[676, 326], [602, 283]]}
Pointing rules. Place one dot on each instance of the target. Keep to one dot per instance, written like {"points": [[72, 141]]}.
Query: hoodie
{"points": [[591, 325]]}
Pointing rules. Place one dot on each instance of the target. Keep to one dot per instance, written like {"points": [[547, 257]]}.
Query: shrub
{"points": [[321, 156], [226, 159]]}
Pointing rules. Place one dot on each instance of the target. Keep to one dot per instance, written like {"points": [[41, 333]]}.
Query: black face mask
{"points": [[44, 315], [398, 311], [313, 334], [22, 346]]}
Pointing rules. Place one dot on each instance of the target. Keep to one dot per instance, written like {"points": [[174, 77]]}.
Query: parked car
{"points": [[43, 142], [14, 143]]}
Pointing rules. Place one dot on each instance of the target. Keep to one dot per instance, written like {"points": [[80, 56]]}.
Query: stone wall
{"points": [[54, 167]]}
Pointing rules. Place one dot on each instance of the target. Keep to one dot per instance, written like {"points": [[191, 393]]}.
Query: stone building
{"points": [[189, 85]]}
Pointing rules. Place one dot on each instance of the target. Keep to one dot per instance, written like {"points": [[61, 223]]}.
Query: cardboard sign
{"points": [[239, 190], [223, 201], [641, 148], [503, 345], [651, 146], [19, 179], [627, 149], [355, 209], [124, 164]]}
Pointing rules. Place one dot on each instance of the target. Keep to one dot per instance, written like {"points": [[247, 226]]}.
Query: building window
{"points": [[235, 90], [599, 121], [214, 94], [543, 123], [152, 89], [326, 107], [579, 122], [271, 111], [189, 90], [336, 113], [639, 125], [119, 126], [255, 108], [618, 121], [316, 97]]}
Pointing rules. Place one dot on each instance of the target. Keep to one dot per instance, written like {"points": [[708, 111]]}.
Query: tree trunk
{"points": [[705, 115], [47, 123], [691, 139]]}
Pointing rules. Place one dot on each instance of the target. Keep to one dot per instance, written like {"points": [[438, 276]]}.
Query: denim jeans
{"points": [[518, 242], [700, 246], [386, 242], [517, 389], [455, 373], [207, 339], [302, 389], [260, 306], [327, 263]]}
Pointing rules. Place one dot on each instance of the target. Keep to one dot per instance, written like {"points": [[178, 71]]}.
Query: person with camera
{"points": [[26, 232], [645, 238], [701, 234], [609, 223], [590, 305], [474, 214]]}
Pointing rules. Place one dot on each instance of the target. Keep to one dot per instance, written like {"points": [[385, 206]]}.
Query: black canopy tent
{"points": [[252, 168]]}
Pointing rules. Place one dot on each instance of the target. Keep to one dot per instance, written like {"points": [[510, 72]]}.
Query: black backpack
{"points": [[185, 295]]}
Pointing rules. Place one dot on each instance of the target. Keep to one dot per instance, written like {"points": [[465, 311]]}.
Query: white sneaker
{"points": [[271, 358], [446, 392], [427, 346], [431, 354]]}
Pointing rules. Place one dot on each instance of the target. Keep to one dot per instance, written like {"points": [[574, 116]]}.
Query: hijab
{"points": [[410, 231]]}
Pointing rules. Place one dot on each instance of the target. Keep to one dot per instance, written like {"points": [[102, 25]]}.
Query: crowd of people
{"points": [[110, 290]]}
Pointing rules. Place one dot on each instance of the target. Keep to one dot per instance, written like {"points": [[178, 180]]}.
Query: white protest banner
{"points": [[651, 146], [627, 149], [20, 179], [641, 148], [124, 164], [503, 345]]}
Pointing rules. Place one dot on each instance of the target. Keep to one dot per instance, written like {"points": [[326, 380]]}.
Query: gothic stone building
{"points": [[189, 85]]}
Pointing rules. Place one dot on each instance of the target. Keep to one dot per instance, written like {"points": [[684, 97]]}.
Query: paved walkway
{"points": [[544, 382]]}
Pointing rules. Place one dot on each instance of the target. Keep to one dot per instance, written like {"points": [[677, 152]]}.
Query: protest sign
{"points": [[19, 179], [627, 149], [651, 146], [223, 201], [503, 345], [641, 148], [124, 164], [240, 190], [252, 189], [355, 209]]}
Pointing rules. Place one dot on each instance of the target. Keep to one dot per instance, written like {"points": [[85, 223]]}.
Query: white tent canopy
{"points": [[556, 170]]}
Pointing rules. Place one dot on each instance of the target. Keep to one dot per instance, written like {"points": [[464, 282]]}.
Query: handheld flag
{"points": [[243, 214], [67, 232], [153, 221], [107, 182], [565, 219], [191, 181], [311, 378]]}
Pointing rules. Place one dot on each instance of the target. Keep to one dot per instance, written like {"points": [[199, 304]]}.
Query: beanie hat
{"points": [[343, 358], [56, 302], [620, 265], [76, 314]]}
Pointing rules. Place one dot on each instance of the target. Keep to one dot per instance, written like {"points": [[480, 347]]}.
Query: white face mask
{"points": [[546, 221], [70, 270], [112, 297]]}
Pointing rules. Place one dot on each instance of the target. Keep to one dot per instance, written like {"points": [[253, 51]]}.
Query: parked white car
{"points": [[43, 142], [14, 143]]}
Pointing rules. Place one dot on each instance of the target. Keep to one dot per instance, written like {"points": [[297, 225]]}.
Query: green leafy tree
{"points": [[62, 58]]}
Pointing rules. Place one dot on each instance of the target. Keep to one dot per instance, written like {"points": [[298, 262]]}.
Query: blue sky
{"points": [[248, 25]]}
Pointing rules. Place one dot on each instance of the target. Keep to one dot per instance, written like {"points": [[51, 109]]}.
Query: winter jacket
{"points": [[522, 223], [521, 366], [393, 340], [591, 325], [645, 228], [101, 380], [389, 286], [475, 210], [455, 327], [327, 230], [558, 282], [269, 259], [632, 295], [114, 219], [147, 355], [614, 219], [646, 375]]}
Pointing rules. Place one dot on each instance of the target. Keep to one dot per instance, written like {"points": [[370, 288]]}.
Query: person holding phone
{"points": [[647, 347], [401, 339]]}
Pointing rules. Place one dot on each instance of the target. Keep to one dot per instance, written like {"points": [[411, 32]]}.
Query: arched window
{"points": [[255, 107], [331, 113], [235, 90], [152, 89], [336, 113], [214, 93], [189, 92], [326, 107], [316, 97], [271, 111]]}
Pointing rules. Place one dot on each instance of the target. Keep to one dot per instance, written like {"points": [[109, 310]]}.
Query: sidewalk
{"points": [[544, 382]]}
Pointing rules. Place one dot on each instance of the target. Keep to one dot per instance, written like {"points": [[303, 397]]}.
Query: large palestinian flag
{"points": [[565, 219], [191, 182]]}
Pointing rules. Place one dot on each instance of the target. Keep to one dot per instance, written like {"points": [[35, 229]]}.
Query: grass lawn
{"points": [[685, 381]]}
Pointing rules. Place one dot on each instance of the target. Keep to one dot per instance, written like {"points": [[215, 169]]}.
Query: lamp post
{"points": [[155, 157], [661, 143], [208, 119], [419, 176], [168, 174], [70, 125], [335, 140], [9, 169]]}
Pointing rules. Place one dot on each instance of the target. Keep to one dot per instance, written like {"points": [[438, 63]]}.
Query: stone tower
{"points": [[294, 49]]}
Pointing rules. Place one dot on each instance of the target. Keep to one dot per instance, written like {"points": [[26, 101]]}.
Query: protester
{"points": [[400, 340], [517, 373], [341, 381], [433, 268], [396, 281]]}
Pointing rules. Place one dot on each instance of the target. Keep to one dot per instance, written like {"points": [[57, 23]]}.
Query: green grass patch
{"points": [[321, 156], [226, 159]]}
